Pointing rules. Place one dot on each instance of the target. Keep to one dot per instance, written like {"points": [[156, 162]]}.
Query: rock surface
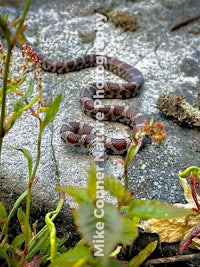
{"points": [[169, 62]]}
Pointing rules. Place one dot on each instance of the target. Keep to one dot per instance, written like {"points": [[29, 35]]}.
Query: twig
{"points": [[177, 258], [183, 22]]}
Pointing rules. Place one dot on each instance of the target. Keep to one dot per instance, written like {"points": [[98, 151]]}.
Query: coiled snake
{"points": [[78, 133]]}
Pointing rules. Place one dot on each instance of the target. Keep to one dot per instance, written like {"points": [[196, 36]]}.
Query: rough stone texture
{"points": [[169, 62]]}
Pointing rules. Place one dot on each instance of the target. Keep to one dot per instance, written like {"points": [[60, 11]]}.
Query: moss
{"points": [[177, 109], [124, 20]]}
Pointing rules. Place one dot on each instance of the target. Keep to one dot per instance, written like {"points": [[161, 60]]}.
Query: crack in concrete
{"points": [[55, 162], [157, 56]]}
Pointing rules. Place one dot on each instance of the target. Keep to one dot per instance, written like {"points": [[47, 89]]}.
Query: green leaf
{"points": [[92, 182], [29, 91], [13, 210], [3, 217], [116, 189], [52, 229], [100, 227], [3, 24], [195, 170], [76, 257], [39, 243], [3, 255], [19, 104], [143, 255], [129, 231], [22, 219], [146, 209], [44, 248], [18, 241], [61, 244], [78, 194], [29, 158], [21, 38], [51, 112], [132, 151], [9, 88]]}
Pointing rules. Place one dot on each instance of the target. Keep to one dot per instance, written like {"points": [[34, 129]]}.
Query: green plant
{"points": [[104, 225], [191, 237], [11, 40], [184, 229], [39, 244], [24, 246]]}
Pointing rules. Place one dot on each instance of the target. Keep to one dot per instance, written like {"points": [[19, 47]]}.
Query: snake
{"points": [[82, 134]]}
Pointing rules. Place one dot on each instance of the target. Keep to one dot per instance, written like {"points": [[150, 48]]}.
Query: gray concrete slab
{"points": [[57, 28]]}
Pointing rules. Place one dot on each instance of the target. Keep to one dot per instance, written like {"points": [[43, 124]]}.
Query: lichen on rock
{"points": [[176, 108]]}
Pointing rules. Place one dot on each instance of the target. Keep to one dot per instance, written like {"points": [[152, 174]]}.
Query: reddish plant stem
{"points": [[194, 181]]}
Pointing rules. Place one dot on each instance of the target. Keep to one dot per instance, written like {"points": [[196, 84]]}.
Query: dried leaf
{"points": [[195, 243], [170, 230], [187, 194], [175, 229]]}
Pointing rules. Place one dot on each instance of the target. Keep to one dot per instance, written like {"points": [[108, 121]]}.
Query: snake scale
{"points": [[78, 133]]}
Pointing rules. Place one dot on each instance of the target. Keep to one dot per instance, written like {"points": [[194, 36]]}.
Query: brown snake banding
{"points": [[77, 133]]}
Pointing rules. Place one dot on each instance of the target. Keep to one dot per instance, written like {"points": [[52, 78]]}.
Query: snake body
{"points": [[78, 133]]}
